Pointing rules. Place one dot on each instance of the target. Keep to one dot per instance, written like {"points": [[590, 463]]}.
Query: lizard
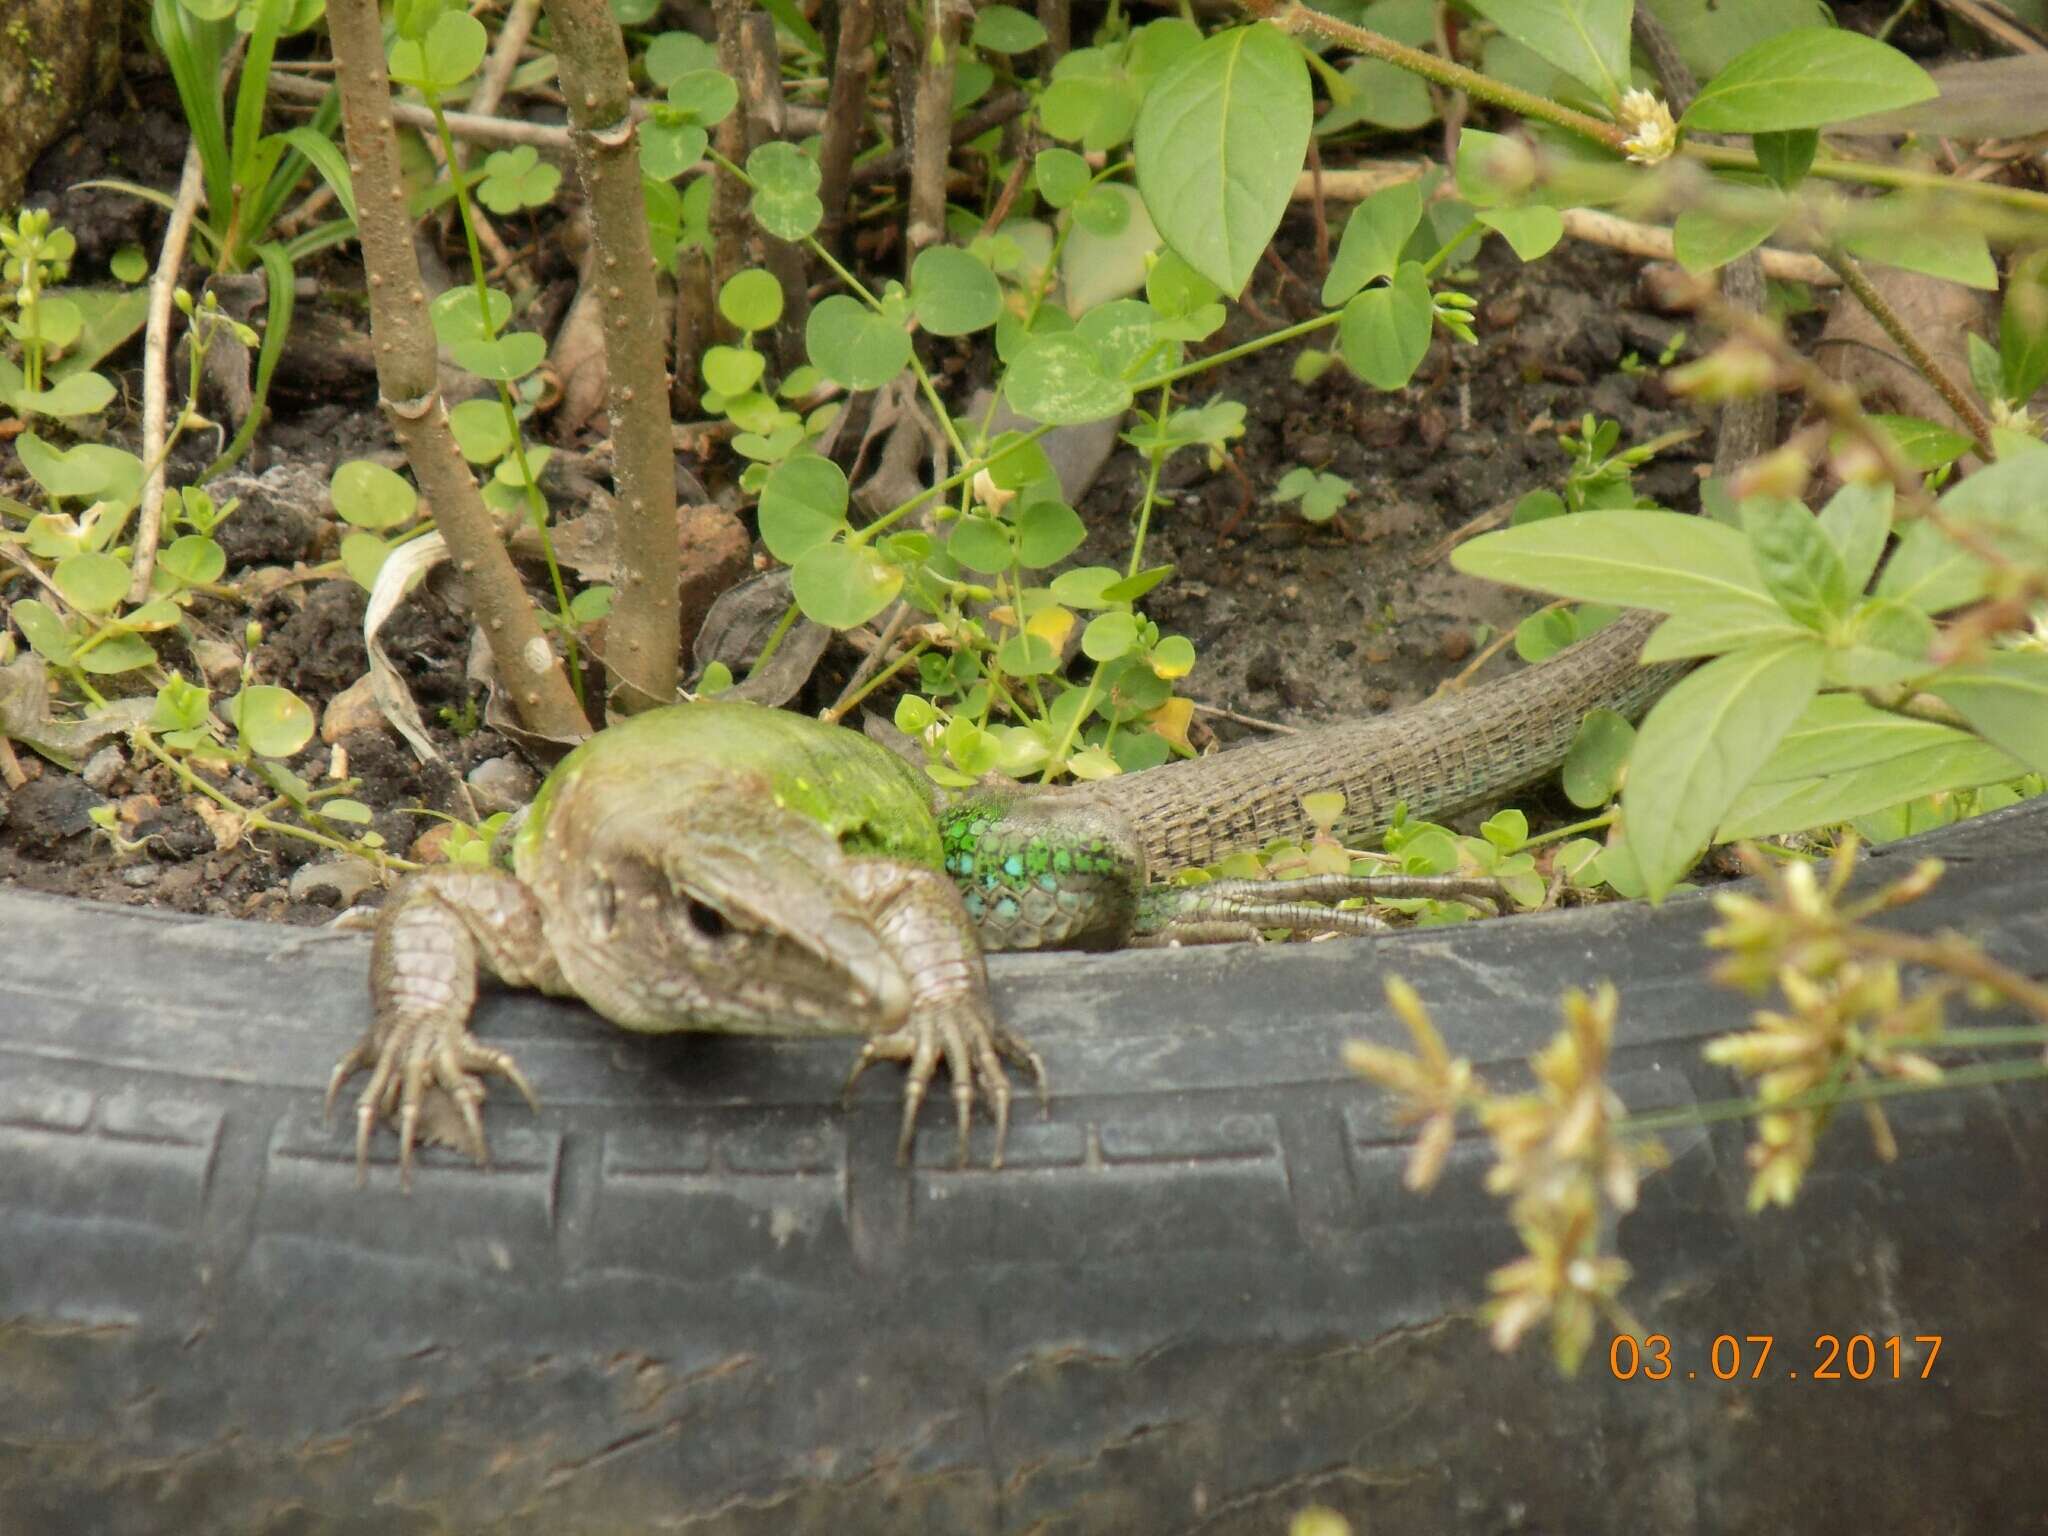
{"points": [[724, 866]]}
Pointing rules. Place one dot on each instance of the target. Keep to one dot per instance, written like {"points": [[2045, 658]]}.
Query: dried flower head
{"points": [[1652, 135]]}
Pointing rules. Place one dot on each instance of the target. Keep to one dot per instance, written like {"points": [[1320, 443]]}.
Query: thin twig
{"points": [[156, 384], [1902, 336]]}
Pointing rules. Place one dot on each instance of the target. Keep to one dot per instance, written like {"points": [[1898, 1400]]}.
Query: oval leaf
{"points": [[1219, 142], [1807, 78]]}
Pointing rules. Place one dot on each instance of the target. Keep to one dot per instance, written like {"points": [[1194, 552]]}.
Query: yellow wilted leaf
{"points": [[1172, 720]]}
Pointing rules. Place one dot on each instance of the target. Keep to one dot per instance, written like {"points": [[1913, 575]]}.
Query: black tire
{"points": [[695, 1294]]}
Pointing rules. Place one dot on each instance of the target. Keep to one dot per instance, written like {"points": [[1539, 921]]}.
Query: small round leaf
{"points": [[368, 495], [841, 585], [952, 293], [751, 300], [803, 505], [272, 722], [851, 343]]}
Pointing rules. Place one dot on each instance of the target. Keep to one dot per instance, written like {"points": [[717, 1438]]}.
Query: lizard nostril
{"points": [[708, 921]]}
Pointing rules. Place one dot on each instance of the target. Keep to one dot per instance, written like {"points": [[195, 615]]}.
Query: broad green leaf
{"points": [[1858, 522], [803, 505], [1061, 176], [81, 394], [1740, 219], [47, 634], [1931, 571], [82, 472], [363, 556], [1659, 560], [505, 360], [1786, 157], [115, 654], [1918, 242], [1220, 139], [1383, 95], [1799, 565], [1005, 29], [1592, 768], [841, 585], [1374, 236], [1384, 331], [1048, 532], [481, 432], [671, 55], [751, 300], [851, 343], [444, 58], [2005, 698], [1710, 628], [1532, 230], [1059, 380], [272, 722], [1703, 743], [2023, 326], [952, 294], [1807, 78], [1108, 636], [785, 200], [370, 496], [1587, 39], [1793, 805], [91, 582], [193, 560], [732, 370], [981, 544]]}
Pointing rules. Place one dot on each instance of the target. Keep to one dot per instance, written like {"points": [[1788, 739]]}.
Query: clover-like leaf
{"points": [[1059, 380], [785, 201], [851, 343], [841, 585], [952, 294], [272, 722], [803, 505]]}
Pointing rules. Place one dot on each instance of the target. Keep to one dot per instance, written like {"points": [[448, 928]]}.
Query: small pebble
{"points": [[103, 767], [140, 876], [501, 784]]}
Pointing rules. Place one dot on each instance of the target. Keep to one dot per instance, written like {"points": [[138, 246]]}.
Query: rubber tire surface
{"points": [[696, 1294]]}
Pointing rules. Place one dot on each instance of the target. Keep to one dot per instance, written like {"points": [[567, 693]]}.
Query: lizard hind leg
{"points": [[426, 1068]]}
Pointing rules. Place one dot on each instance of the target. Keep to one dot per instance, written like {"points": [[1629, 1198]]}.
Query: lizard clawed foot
{"points": [[974, 1048], [423, 1071]]}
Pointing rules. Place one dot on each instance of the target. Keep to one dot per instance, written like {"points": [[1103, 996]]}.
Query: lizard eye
{"points": [[707, 920]]}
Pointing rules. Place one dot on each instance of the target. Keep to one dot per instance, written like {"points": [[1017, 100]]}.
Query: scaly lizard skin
{"points": [[721, 866]]}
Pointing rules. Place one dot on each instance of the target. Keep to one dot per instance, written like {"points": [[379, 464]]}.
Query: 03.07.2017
{"points": [[1747, 1357]]}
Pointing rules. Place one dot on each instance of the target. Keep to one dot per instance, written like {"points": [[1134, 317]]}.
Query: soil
{"points": [[1293, 622]]}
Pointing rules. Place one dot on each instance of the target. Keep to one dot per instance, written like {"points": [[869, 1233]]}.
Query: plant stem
{"points": [[1902, 336], [1976, 1075]]}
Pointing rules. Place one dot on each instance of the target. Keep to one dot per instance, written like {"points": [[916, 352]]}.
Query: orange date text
{"points": [[1763, 1357]]}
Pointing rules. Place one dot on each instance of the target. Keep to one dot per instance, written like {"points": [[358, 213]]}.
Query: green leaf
{"points": [[1095, 268], [1923, 444], [47, 634], [1374, 236], [671, 55], [841, 585], [368, 495], [785, 201], [952, 294], [751, 300], [1059, 380], [2023, 326], [1048, 532], [505, 360], [732, 370], [1005, 29], [447, 56], [1592, 768], [1587, 39], [1383, 95], [1061, 176], [704, 97], [1741, 218], [1807, 78], [2005, 699], [981, 544], [1708, 628], [116, 654], [1220, 139], [1109, 635], [481, 432], [180, 706], [1384, 331], [193, 560], [517, 178], [1786, 157], [272, 722], [1858, 522], [1660, 560], [84, 471], [92, 582], [1800, 567], [803, 505], [1532, 230], [1920, 242], [1701, 745], [363, 556], [80, 394], [851, 343]]}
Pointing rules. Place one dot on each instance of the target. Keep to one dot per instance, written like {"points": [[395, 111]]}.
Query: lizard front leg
{"points": [[919, 917], [432, 938]]}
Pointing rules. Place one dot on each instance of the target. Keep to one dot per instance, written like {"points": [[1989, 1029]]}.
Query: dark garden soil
{"points": [[1294, 622]]}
